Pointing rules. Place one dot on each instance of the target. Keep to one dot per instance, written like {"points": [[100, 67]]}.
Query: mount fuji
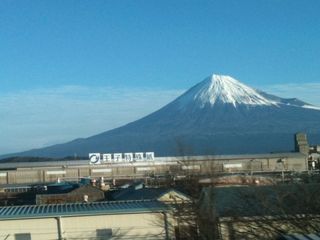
{"points": [[219, 115]]}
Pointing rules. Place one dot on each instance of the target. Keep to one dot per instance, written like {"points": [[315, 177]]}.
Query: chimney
{"points": [[301, 143]]}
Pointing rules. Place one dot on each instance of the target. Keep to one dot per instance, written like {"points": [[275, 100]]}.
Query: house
{"points": [[181, 206], [84, 193], [138, 191]]}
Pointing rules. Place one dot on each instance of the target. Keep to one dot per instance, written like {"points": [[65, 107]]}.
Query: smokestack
{"points": [[301, 143]]}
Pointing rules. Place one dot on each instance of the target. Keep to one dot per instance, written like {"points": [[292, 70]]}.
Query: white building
{"points": [[100, 220]]}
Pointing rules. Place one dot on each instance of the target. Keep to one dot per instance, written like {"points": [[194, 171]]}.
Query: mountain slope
{"points": [[219, 115]]}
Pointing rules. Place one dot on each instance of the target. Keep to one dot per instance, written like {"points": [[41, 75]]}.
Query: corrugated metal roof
{"points": [[72, 209]]}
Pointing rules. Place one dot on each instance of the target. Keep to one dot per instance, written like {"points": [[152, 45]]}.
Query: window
{"points": [[104, 233], [22, 236]]}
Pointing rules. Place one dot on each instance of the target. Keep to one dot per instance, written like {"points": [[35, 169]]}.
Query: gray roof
{"points": [[139, 194], [76, 209]]}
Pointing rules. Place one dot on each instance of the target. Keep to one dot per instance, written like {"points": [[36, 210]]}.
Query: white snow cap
{"points": [[225, 89]]}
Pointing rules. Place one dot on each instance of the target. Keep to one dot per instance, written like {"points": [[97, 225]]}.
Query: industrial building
{"points": [[43, 172], [100, 220]]}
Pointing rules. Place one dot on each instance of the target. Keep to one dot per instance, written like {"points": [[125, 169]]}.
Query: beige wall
{"points": [[130, 226], [3, 178], [124, 226], [40, 229]]}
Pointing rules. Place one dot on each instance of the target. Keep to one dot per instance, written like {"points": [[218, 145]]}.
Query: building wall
{"points": [[122, 226], [3, 177], [128, 226], [241, 164], [40, 229]]}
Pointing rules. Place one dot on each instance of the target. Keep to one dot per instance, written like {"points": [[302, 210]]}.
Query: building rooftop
{"points": [[139, 194], [72, 209]]}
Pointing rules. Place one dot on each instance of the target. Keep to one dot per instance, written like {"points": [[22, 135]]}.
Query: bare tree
{"points": [[263, 212]]}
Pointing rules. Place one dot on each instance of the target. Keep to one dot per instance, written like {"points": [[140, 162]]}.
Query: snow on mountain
{"points": [[293, 102], [226, 90], [311, 107], [221, 89]]}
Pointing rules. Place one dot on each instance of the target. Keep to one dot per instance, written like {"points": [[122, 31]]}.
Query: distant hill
{"points": [[38, 159], [220, 115]]}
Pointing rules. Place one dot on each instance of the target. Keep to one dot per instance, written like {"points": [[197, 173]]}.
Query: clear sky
{"points": [[72, 69]]}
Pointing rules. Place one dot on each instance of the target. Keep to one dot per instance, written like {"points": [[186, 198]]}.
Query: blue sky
{"points": [[72, 69]]}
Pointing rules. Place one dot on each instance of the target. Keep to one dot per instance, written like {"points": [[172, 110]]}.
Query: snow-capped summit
{"points": [[225, 89]]}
